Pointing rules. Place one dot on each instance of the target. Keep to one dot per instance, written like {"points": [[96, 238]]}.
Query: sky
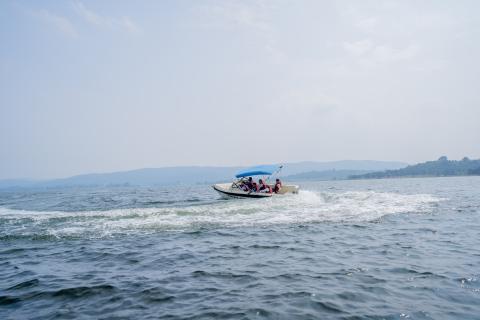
{"points": [[101, 86]]}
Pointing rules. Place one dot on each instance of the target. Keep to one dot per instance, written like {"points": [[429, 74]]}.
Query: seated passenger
{"points": [[278, 186], [263, 187], [246, 185], [249, 183]]}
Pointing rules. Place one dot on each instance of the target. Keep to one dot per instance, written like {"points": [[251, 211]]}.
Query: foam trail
{"points": [[306, 207]]}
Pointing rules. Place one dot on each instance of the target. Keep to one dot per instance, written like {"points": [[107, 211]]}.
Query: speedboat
{"points": [[234, 189]]}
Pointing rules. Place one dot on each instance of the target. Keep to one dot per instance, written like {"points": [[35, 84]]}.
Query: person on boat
{"points": [[243, 186], [263, 187], [249, 183], [278, 186], [246, 184], [255, 187]]}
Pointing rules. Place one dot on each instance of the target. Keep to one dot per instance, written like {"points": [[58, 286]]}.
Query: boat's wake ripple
{"points": [[306, 207]]}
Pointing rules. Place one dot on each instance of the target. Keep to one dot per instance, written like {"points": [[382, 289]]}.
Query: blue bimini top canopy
{"points": [[265, 170]]}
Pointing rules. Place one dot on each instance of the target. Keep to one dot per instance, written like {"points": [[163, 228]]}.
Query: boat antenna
{"points": [[279, 169], [276, 172]]}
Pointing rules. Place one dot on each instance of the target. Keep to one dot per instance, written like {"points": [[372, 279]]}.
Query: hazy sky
{"points": [[95, 86]]}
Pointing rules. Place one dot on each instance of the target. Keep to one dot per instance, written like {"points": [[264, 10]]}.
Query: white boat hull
{"points": [[228, 190]]}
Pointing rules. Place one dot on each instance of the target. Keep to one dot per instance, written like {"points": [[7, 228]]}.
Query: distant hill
{"points": [[19, 183], [368, 165], [475, 172], [325, 175], [197, 175], [150, 176], [439, 168]]}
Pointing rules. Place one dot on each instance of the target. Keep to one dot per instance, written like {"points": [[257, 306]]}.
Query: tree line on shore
{"points": [[439, 168]]}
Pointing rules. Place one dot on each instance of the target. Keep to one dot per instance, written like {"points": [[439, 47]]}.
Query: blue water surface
{"points": [[370, 249]]}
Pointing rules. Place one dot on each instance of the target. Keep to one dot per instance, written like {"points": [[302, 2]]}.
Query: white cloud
{"points": [[62, 24], [125, 23], [358, 47], [383, 53], [371, 53], [130, 25], [367, 24], [253, 17]]}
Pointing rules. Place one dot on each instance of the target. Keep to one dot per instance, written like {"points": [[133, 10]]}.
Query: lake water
{"points": [[371, 249]]}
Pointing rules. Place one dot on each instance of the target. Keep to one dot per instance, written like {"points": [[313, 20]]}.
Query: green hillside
{"points": [[439, 168]]}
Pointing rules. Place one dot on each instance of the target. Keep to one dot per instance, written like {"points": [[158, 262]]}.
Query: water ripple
{"points": [[396, 249]]}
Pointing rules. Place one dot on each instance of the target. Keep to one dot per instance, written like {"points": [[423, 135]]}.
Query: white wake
{"points": [[305, 207]]}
